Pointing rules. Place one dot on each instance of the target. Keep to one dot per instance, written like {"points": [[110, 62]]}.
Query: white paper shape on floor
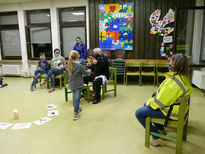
{"points": [[21, 126], [5, 125], [42, 121], [53, 113], [50, 106]]}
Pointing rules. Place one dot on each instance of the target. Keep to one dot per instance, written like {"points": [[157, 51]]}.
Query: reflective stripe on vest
{"points": [[172, 114], [159, 103], [180, 84]]}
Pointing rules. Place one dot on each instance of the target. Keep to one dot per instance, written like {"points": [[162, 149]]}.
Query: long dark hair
{"points": [[180, 64]]}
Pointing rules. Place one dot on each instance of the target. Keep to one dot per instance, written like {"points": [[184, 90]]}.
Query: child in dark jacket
{"points": [[75, 80], [42, 68]]}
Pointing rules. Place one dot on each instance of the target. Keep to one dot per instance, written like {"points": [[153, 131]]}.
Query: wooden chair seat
{"points": [[136, 72]]}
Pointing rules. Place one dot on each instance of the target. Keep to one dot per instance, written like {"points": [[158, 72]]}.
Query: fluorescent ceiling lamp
{"points": [[78, 13]]}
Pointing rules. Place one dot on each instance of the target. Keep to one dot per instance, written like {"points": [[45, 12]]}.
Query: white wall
{"points": [[53, 5]]}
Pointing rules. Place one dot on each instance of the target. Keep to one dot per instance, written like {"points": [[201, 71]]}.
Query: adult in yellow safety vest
{"points": [[171, 90]]}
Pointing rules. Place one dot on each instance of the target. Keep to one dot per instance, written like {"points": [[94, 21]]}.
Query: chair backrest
{"points": [[162, 65], [66, 77], [150, 65], [113, 73], [132, 64], [182, 108]]}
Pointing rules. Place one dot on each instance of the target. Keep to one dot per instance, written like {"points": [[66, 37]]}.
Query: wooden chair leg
{"points": [[141, 80], [48, 84], [115, 89], [103, 92], [147, 132], [126, 80], [60, 83], [105, 88], [185, 131], [88, 92], [179, 139], [66, 94]]}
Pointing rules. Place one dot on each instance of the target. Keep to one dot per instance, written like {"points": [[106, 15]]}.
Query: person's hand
{"points": [[58, 68], [88, 64], [95, 61]]}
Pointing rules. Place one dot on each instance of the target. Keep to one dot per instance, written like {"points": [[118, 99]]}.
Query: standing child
{"points": [[75, 80], [42, 68]]}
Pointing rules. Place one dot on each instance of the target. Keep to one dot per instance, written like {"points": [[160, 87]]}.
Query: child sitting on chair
{"points": [[75, 80], [42, 68]]}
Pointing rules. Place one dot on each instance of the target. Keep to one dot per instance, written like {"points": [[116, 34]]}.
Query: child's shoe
{"points": [[76, 117], [51, 89]]}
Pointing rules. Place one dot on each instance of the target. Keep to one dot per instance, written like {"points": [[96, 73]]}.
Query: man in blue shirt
{"points": [[81, 48], [42, 68]]}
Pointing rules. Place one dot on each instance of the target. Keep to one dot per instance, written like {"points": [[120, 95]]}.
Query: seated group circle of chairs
{"points": [[141, 69], [63, 81]]}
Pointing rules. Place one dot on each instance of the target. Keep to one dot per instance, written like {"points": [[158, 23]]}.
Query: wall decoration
{"points": [[116, 26], [158, 26]]}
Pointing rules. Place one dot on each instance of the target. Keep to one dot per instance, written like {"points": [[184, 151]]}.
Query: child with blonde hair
{"points": [[75, 80]]}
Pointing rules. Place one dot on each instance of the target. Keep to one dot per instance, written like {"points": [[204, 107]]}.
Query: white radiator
{"points": [[198, 79], [32, 69], [11, 69]]}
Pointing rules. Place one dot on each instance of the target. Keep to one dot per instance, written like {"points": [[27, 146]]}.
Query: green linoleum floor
{"points": [[109, 127]]}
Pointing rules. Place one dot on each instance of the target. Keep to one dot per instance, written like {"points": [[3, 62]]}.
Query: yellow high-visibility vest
{"points": [[170, 91]]}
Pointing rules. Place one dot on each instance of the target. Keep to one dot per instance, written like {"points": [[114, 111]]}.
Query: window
{"points": [[9, 36], [72, 24], [38, 33], [190, 33]]}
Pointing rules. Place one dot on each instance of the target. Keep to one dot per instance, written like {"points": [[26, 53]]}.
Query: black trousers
{"points": [[96, 85]]}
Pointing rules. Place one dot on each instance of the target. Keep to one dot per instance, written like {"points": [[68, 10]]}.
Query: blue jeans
{"points": [[51, 74], [77, 95], [146, 111], [38, 74]]}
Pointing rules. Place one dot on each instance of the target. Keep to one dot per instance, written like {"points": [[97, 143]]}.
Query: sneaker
{"points": [[157, 142], [96, 101], [31, 88], [76, 117]]}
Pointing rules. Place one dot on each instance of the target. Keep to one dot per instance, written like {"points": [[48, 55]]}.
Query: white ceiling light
{"points": [[78, 13]]}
